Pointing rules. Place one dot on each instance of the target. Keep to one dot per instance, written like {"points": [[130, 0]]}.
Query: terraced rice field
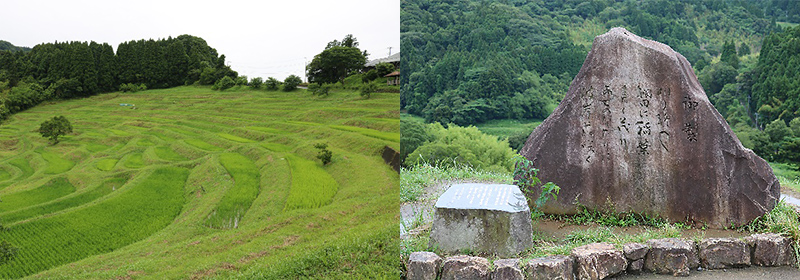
{"points": [[197, 183]]}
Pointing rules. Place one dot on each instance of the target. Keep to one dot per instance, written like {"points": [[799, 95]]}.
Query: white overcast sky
{"points": [[258, 38]]}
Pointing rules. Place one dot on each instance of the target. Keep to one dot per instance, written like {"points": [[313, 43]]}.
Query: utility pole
{"points": [[390, 51]]}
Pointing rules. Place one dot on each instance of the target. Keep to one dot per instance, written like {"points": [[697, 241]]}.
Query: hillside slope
{"points": [[213, 169]]}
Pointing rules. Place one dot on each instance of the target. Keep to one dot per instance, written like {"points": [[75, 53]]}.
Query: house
{"points": [[393, 59], [393, 78]]}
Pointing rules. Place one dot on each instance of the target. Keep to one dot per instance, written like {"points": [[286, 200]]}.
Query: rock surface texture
{"points": [[507, 269], [635, 253], [423, 266], [716, 253], [636, 130], [465, 268], [671, 256], [770, 249], [598, 261], [550, 267], [486, 218]]}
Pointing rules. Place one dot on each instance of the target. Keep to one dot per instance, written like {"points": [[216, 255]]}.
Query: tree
{"points": [[256, 82], [795, 126], [336, 62], [272, 83], [384, 69], [729, 54], [291, 82], [777, 130], [744, 49], [324, 154], [55, 127]]}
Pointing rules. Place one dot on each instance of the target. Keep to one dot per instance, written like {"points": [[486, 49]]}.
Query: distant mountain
{"points": [[7, 46]]}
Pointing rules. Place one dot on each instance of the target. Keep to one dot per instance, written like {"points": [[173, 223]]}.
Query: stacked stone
{"points": [[672, 256]]}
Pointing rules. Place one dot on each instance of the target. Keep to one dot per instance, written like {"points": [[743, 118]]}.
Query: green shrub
{"points": [[324, 154], [256, 82], [384, 69], [129, 87], [55, 127], [368, 89], [291, 82], [321, 90], [241, 81], [412, 135], [272, 83], [463, 145], [224, 83]]}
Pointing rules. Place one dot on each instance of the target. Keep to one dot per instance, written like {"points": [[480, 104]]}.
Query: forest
{"points": [[468, 62], [63, 70]]}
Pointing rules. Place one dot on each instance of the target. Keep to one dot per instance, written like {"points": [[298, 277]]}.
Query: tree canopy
{"points": [[55, 127], [79, 69], [337, 61]]}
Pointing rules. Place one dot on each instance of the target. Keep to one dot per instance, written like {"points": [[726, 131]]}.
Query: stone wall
{"points": [[672, 256]]}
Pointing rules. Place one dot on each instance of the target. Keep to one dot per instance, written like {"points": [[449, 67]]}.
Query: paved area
{"points": [[777, 273]]}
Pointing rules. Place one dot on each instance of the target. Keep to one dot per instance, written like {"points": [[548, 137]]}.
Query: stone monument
{"points": [[636, 132], [484, 218]]}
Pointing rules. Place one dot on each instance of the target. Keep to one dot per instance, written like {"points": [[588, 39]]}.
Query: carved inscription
{"points": [[641, 118]]}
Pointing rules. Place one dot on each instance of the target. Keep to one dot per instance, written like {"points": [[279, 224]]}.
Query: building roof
{"points": [[391, 58], [393, 74]]}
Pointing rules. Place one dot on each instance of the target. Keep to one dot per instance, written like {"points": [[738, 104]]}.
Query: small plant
{"points": [[54, 128], [324, 154], [525, 176], [7, 252], [317, 89], [368, 89]]}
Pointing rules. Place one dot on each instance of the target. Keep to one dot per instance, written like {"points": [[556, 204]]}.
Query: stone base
{"points": [[482, 218]]}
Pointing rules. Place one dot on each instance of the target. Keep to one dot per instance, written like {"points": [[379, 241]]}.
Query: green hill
{"points": [[195, 183]]}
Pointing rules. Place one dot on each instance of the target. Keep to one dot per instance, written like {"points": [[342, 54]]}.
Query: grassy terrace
{"points": [[196, 183]]}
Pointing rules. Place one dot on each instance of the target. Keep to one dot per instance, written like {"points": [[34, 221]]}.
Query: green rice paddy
{"points": [[200, 184]]}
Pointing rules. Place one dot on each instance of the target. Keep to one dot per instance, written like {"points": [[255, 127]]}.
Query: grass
{"points": [[389, 136], [55, 163], [68, 202], [276, 147], [352, 235], [266, 129], [135, 214], [134, 161], [417, 178], [507, 128], [106, 164], [235, 138], [166, 153], [51, 190], [4, 175], [94, 147], [312, 186], [237, 200], [202, 145], [788, 175]]}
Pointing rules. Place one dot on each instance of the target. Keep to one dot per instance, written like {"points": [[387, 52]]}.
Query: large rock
{"points": [[507, 269], [550, 268], [598, 261], [423, 266], [635, 253], [465, 268], [769, 249], [636, 130], [486, 218], [716, 253], [671, 256]]}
